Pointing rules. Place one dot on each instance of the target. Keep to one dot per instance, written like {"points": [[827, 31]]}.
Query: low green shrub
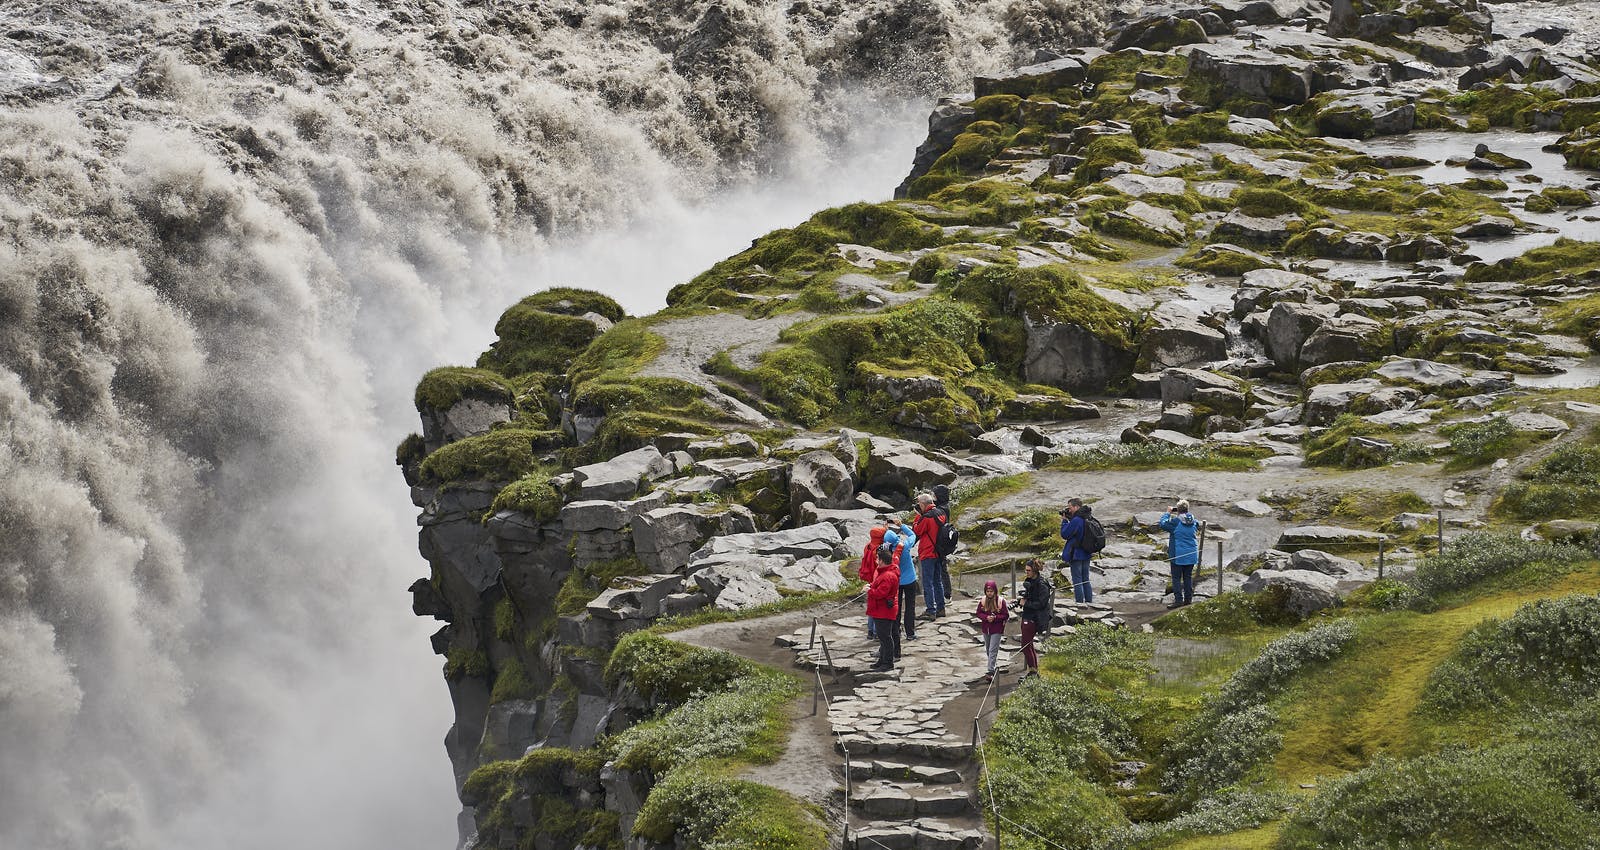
{"points": [[1282, 660], [532, 494], [1223, 750], [1533, 796], [739, 721], [1037, 751], [668, 672], [1564, 485], [714, 812], [1547, 652], [1479, 556], [1478, 443]]}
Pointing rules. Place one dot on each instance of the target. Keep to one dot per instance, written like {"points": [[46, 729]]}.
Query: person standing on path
{"points": [[930, 566], [869, 566], [1183, 552], [1073, 528], [906, 540], [883, 599], [992, 617], [941, 500], [1036, 613]]}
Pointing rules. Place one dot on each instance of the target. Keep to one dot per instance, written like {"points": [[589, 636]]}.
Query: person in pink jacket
{"points": [[992, 617], [883, 605]]}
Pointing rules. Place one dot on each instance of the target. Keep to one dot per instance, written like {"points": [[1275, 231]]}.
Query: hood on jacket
{"points": [[875, 536], [991, 585]]}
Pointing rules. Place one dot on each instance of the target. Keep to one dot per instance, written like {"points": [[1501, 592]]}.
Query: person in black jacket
{"points": [[1036, 613]]}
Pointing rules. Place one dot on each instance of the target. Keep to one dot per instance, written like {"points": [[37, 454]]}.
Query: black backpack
{"points": [[947, 538], [1093, 538]]}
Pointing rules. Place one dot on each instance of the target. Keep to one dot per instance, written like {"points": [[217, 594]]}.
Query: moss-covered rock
{"points": [[504, 455]]}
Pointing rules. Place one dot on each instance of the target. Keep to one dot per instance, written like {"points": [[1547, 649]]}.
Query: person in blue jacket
{"points": [[1183, 552], [1072, 531], [909, 588]]}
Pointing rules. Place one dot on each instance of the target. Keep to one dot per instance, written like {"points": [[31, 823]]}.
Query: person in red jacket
{"points": [[931, 568], [869, 566], [883, 605]]}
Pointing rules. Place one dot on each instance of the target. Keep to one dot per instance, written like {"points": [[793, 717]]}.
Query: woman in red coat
{"points": [[883, 605], [869, 566]]}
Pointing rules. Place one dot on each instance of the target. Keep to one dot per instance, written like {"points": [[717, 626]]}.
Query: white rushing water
{"points": [[232, 236]]}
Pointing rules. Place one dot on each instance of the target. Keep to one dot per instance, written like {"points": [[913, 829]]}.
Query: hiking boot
{"points": [[929, 616], [988, 679], [1174, 605]]}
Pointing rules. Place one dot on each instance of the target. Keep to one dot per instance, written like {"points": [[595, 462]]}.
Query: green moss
{"points": [[441, 388], [1105, 151], [462, 663], [1565, 256], [572, 301], [1157, 456], [503, 455], [1268, 203], [532, 339], [999, 108], [1222, 263], [532, 494], [1332, 446], [583, 584], [1501, 105], [1047, 294], [512, 683], [1231, 613], [410, 451]]}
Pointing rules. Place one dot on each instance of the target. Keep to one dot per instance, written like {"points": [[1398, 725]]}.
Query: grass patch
{"points": [[714, 810], [441, 388], [583, 584], [1564, 485], [1478, 443], [1157, 456], [976, 495]]}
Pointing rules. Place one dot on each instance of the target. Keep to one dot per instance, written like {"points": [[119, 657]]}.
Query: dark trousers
{"points": [[908, 607], [944, 575], [1030, 656], [1183, 583], [887, 638]]}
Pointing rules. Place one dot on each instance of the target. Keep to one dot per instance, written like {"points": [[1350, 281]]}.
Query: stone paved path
{"points": [[909, 732]]}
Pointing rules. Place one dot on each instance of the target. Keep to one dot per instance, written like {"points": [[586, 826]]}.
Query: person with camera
{"points": [[1036, 612], [1077, 549], [1183, 551]]}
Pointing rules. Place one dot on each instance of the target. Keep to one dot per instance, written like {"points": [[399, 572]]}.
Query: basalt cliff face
{"points": [[1266, 234]]}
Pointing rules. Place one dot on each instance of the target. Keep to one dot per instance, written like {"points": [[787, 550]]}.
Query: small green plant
{"points": [[1547, 652], [1480, 556], [1478, 443]]}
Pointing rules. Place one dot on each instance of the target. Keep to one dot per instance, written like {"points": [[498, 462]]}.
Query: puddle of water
{"points": [[1183, 660], [1579, 374], [1440, 145]]}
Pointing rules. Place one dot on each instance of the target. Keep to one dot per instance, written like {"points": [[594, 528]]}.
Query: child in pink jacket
{"points": [[992, 614]]}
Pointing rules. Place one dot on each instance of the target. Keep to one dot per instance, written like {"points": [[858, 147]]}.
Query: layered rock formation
{"points": [[1176, 217]]}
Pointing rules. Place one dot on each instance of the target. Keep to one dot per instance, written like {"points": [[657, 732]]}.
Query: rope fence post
{"points": [[816, 695], [1013, 578], [1441, 533], [829, 656], [813, 643], [1380, 557]]}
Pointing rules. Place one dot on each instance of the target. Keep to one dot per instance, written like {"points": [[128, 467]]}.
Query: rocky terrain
{"points": [[1330, 271]]}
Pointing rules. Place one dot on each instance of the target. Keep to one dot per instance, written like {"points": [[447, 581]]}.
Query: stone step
{"points": [[922, 834], [925, 774], [889, 799], [941, 749]]}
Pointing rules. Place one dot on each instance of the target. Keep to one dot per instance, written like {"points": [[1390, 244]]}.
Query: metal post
{"points": [[996, 829], [1380, 557], [813, 643], [975, 729], [816, 695], [1441, 533], [829, 656], [1219, 567], [1013, 578], [846, 800]]}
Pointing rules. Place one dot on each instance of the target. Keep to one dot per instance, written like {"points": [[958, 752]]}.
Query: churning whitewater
{"points": [[232, 235]]}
